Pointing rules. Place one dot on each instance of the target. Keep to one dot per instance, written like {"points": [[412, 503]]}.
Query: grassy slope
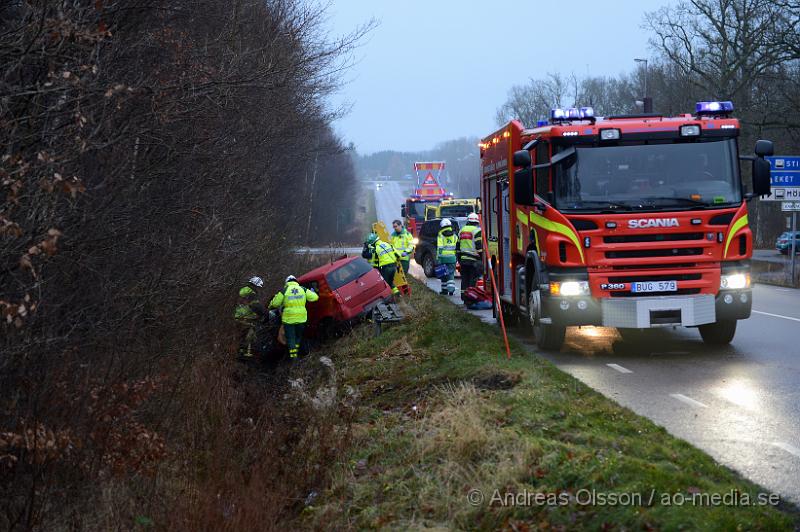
{"points": [[442, 413]]}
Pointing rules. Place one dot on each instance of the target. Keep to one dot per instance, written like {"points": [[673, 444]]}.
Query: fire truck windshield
{"points": [[416, 209], [649, 176]]}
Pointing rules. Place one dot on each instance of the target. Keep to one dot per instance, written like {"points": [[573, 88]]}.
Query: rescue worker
{"points": [[248, 314], [468, 252], [292, 300], [383, 257], [446, 254], [403, 244]]}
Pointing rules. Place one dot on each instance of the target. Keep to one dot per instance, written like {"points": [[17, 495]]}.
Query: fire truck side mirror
{"points": [[523, 186], [761, 172], [764, 148], [522, 158], [402, 211]]}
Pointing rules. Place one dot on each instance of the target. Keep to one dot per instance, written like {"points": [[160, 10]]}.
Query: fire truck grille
{"points": [[669, 237], [679, 292], [652, 266], [642, 253], [658, 277]]}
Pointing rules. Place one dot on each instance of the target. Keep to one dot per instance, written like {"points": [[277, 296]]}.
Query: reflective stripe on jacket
{"points": [[446, 246], [293, 300], [470, 242], [403, 244]]}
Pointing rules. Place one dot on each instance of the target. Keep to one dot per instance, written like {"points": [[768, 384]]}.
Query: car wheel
{"points": [[428, 265], [547, 336], [718, 333]]}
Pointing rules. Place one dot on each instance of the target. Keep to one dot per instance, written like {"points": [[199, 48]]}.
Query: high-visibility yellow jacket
{"points": [[383, 254], [446, 246], [470, 243], [249, 309], [403, 244], [293, 299]]}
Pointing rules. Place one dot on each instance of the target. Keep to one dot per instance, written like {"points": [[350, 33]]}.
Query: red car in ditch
{"points": [[348, 289]]}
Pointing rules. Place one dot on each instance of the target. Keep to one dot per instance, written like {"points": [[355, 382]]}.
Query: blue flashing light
{"points": [[713, 108], [587, 112], [573, 113], [557, 114], [541, 123]]}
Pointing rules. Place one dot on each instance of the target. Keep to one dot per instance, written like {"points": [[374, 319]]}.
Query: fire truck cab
{"points": [[631, 222]]}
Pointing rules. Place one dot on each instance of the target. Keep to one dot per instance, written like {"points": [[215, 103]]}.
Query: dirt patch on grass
{"points": [[497, 381]]}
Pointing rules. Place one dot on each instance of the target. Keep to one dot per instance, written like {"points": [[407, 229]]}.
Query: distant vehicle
{"points": [[378, 186], [428, 192], [784, 242], [425, 250], [348, 289], [455, 209]]}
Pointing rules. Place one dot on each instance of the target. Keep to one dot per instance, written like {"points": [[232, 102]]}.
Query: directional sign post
{"points": [[785, 181]]}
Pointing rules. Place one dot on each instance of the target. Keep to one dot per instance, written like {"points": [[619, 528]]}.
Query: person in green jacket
{"points": [[383, 257], [403, 244], [446, 254], [249, 313], [292, 299]]}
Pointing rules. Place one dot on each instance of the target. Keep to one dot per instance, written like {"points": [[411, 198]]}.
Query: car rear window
{"points": [[347, 273]]}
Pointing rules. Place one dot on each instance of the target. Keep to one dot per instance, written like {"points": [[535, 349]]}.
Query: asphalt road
{"points": [[739, 403]]}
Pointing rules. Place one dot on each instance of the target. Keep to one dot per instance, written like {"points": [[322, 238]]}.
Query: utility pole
{"points": [[648, 101]]}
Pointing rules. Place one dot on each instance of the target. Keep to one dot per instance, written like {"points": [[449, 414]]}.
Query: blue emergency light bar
{"points": [[713, 108], [571, 113]]}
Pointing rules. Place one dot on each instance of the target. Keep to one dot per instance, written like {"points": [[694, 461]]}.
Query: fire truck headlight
{"points": [[569, 288], [415, 241], [734, 281]]}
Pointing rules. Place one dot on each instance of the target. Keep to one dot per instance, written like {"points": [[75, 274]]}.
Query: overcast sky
{"points": [[435, 70]]}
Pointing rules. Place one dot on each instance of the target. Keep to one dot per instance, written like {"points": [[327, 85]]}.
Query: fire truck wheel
{"points": [[719, 333], [546, 336], [428, 265]]}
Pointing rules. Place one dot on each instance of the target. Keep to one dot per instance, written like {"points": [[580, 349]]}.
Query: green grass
{"points": [[441, 412]]}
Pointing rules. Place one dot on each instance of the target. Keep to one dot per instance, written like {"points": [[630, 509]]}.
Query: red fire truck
{"points": [[633, 221], [428, 192]]}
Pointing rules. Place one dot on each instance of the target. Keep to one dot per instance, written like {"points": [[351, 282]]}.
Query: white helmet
{"points": [[473, 217], [256, 281], [445, 222], [291, 278]]}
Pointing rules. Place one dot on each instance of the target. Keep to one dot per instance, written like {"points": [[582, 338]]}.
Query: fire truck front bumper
{"points": [[650, 312]]}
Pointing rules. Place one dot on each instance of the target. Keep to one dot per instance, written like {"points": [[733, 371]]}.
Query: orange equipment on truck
{"points": [[428, 192], [632, 221]]}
